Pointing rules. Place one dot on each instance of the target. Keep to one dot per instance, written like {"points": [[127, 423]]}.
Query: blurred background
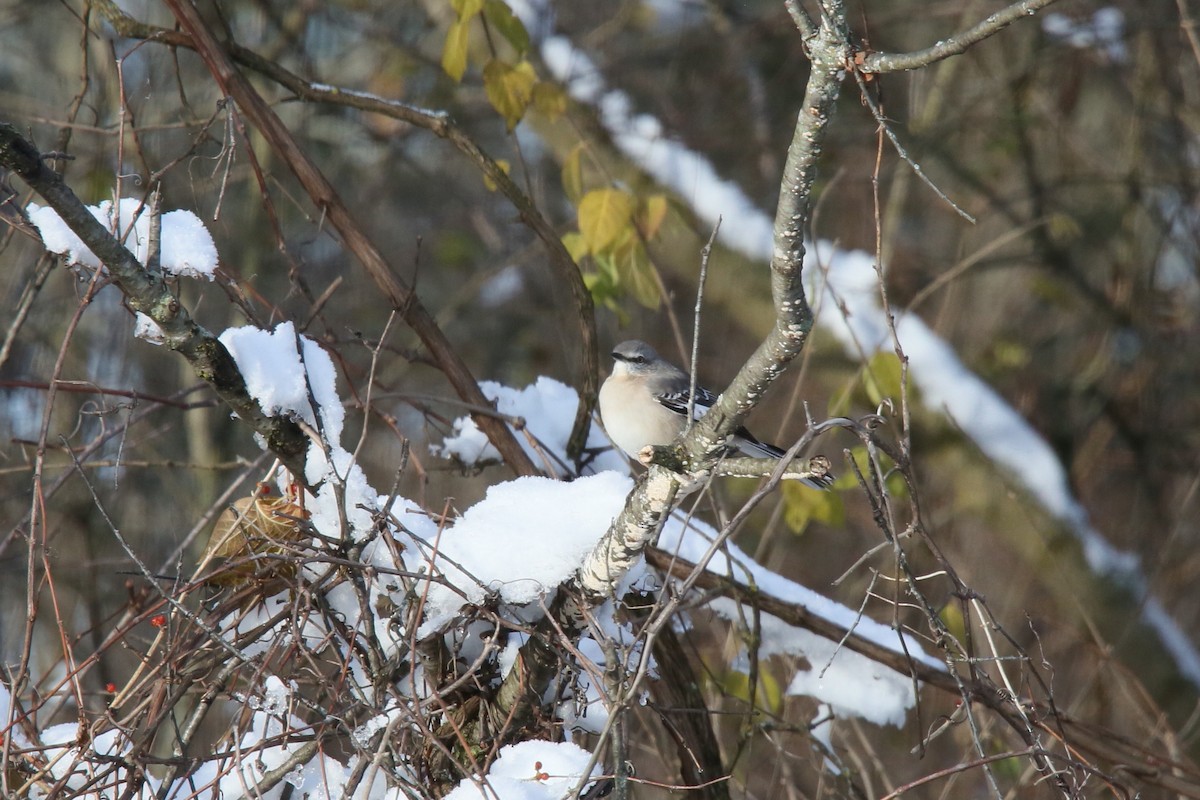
{"points": [[1071, 137]]}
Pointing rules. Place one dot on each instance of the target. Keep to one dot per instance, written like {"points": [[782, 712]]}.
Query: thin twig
{"points": [[705, 253], [954, 45]]}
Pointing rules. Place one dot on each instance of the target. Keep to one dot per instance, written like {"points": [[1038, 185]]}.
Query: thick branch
{"points": [[147, 292], [793, 317], [654, 497], [636, 527], [955, 45], [325, 197]]}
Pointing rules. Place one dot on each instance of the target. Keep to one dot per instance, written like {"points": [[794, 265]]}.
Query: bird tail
{"points": [[753, 447]]}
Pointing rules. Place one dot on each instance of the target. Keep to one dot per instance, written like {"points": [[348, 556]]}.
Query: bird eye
{"points": [[638, 359]]}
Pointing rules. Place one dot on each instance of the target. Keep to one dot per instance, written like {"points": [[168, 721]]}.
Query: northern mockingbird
{"points": [[645, 402]]}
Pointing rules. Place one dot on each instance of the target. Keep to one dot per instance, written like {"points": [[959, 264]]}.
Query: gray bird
{"points": [[645, 402]]}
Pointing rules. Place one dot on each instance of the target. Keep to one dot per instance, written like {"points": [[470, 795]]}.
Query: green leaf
{"points": [[572, 174], [882, 377], [454, 51], [1064, 228], [509, 88], [604, 293], [893, 481], [842, 403], [604, 214], [636, 272], [1009, 769], [804, 504], [501, 17], [606, 264]]}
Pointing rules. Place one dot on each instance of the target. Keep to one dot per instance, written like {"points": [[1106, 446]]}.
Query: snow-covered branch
{"points": [[147, 292]]}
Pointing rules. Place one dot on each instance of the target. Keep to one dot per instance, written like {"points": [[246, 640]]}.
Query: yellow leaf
{"points": [[575, 245], [1010, 354], [572, 173], [509, 88], [651, 215], [549, 99], [952, 618], [736, 684], [769, 692], [501, 17], [504, 166], [603, 215], [466, 8], [454, 52], [636, 272], [881, 378]]}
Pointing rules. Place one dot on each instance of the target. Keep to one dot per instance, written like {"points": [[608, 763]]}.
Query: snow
{"points": [[1104, 31], [532, 770], [852, 684], [997, 429], [348, 481], [321, 776], [363, 733], [187, 248], [9, 714], [505, 285], [548, 409], [76, 766], [641, 138], [306, 389], [147, 329], [276, 378], [523, 539], [490, 545]]}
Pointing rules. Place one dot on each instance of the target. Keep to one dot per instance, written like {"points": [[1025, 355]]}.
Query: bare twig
{"points": [[954, 45], [705, 254]]}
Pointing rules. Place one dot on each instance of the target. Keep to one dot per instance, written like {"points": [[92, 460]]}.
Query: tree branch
{"points": [[828, 51], [956, 45], [146, 291]]}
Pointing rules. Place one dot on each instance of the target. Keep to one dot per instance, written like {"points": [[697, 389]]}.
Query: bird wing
{"points": [[676, 400]]}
